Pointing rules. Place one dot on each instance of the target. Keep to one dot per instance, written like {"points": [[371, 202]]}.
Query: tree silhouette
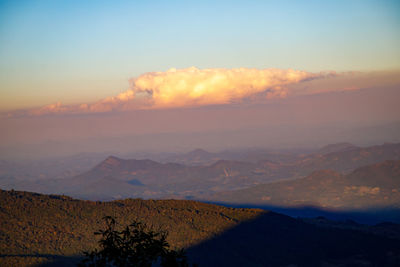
{"points": [[133, 246]]}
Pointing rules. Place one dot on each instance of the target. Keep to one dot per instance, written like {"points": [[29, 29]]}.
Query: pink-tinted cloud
{"points": [[195, 87], [192, 87]]}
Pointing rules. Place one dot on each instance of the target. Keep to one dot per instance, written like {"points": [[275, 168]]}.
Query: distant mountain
{"points": [[195, 157], [347, 160], [199, 157], [376, 185], [54, 230], [116, 178], [338, 147], [150, 179]]}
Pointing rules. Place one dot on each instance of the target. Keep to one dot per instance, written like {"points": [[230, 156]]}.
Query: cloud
{"points": [[195, 87], [192, 87]]}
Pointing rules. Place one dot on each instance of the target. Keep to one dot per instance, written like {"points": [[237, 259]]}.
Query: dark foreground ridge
{"points": [[273, 239], [53, 230]]}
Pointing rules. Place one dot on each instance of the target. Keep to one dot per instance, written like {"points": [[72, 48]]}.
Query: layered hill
{"points": [[376, 185], [349, 158], [116, 178], [199, 157], [54, 230]]}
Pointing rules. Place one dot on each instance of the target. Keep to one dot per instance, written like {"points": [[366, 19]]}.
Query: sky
{"points": [[70, 64], [82, 51]]}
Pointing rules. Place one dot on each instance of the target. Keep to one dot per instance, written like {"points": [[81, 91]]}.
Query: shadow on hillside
{"points": [[274, 239], [61, 261], [277, 240], [367, 216]]}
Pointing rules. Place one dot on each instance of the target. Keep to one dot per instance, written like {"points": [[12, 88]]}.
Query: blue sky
{"points": [[74, 51]]}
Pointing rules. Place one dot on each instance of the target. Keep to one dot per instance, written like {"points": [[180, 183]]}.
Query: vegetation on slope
{"points": [[35, 224], [35, 228], [134, 245]]}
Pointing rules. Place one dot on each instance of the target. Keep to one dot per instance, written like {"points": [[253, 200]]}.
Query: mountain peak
{"points": [[110, 161]]}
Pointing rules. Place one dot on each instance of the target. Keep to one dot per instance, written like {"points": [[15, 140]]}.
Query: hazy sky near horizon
{"points": [[82, 76], [77, 52]]}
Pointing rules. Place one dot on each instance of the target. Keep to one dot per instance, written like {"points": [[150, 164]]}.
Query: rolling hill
{"points": [[117, 178], [371, 186], [53, 230]]}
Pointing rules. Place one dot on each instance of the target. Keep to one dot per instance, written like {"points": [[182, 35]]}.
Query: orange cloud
{"points": [[52, 108], [192, 87]]}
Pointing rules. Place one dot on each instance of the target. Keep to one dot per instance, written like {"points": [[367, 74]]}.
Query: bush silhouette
{"points": [[133, 246]]}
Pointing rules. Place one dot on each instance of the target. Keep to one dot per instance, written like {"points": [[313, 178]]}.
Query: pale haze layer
{"points": [[361, 108], [123, 76]]}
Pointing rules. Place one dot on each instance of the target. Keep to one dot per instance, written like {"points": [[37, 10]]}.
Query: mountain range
{"points": [[251, 173], [116, 178], [372, 186]]}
